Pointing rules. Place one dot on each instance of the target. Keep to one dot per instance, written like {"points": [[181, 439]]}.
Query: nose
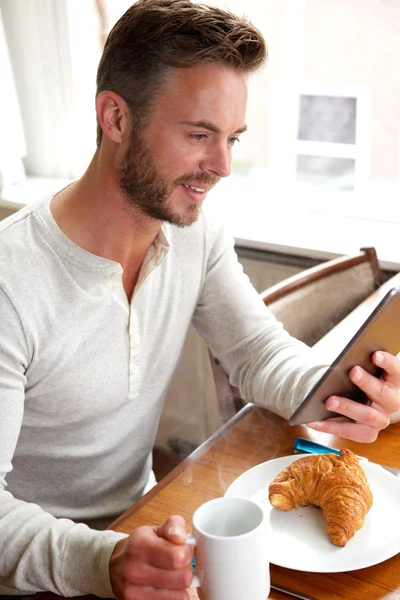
{"points": [[218, 161]]}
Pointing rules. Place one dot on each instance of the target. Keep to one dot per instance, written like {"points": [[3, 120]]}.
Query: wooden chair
{"points": [[309, 304]]}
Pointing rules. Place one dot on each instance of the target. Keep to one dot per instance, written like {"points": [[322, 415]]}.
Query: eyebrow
{"points": [[210, 126]]}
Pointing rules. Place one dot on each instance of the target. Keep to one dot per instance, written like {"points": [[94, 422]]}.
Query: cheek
{"points": [[178, 161]]}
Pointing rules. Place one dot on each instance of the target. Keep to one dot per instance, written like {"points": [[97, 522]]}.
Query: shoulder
{"points": [[16, 226], [12, 226], [208, 228], [21, 241]]}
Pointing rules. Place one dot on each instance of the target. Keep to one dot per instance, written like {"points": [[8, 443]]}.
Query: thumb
{"points": [[174, 530]]}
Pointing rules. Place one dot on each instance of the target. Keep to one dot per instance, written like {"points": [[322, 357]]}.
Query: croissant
{"points": [[337, 484]]}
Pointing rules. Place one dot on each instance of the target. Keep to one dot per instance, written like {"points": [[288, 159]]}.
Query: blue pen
{"points": [[312, 447]]}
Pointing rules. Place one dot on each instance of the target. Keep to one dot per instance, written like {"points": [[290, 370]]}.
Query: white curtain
{"points": [[12, 141]]}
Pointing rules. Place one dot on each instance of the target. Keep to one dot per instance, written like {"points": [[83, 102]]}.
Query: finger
{"points": [[133, 592], [379, 391], [174, 530], [142, 575], [357, 412], [390, 365], [351, 431], [148, 547]]}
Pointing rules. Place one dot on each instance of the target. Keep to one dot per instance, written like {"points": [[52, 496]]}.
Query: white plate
{"points": [[298, 538]]}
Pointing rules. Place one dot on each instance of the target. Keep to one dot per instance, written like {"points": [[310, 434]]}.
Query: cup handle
{"points": [[191, 541]]}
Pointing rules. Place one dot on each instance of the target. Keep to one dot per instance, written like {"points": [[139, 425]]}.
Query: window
{"points": [[323, 117], [332, 150], [12, 140], [327, 130], [327, 119]]}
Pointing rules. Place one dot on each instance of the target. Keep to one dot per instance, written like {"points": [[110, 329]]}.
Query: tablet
{"points": [[381, 331]]}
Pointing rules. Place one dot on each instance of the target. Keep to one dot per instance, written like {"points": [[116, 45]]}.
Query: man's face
{"points": [[186, 145]]}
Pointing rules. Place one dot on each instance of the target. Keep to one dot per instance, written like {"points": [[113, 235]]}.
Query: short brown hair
{"points": [[154, 36]]}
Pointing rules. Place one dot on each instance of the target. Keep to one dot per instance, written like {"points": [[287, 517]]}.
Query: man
{"points": [[98, 286]]}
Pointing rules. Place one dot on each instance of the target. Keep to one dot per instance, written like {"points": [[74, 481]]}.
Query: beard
{"points": [[146, 189]]}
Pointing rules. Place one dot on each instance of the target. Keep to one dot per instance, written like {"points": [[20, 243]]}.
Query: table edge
{"points": [[173, 474]]}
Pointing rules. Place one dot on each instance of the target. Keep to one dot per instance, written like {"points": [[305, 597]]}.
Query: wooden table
{"points": [[254, 436]]}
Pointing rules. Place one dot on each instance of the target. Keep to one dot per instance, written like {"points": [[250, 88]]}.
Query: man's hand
{"points": [[366, 421], [153, 563]]}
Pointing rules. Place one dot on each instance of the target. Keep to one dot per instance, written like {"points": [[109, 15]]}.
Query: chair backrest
{"points": [[309, 304], [312, 302]]}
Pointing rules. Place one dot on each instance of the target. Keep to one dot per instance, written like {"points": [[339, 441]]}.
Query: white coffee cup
{"points": [[231, 555]]}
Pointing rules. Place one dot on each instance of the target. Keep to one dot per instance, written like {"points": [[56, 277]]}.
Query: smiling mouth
{"points": [[199, 190]]}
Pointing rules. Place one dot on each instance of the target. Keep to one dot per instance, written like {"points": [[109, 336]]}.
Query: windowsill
{"points": [[276, 224], [330, 238], [284, 219], [30, 190]]}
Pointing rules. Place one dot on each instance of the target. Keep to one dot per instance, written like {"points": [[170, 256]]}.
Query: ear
{"points": [[113, 115]]}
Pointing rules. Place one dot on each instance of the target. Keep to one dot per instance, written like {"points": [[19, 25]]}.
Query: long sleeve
{"points": [[42, 552], [83, 376], [269, 366]]}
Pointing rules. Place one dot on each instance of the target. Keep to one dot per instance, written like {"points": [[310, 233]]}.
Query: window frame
{"points": [[360, 151]]}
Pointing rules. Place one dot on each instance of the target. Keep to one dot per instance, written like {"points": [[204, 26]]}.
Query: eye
{"points": [[233, 140], [198, 137]]}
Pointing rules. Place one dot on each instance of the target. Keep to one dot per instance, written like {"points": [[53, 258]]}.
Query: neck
{"points": [[93, 213]]}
